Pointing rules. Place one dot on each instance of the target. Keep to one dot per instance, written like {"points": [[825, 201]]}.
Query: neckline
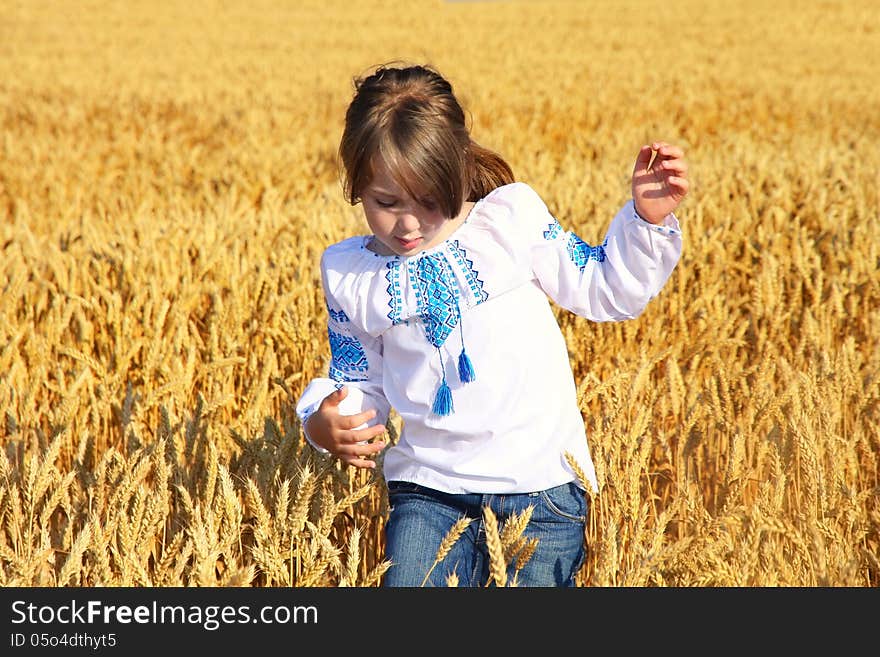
{"points": [[366, 239]]}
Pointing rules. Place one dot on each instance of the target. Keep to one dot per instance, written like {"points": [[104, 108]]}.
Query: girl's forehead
{"points": [[381, 175], [388, 179]]}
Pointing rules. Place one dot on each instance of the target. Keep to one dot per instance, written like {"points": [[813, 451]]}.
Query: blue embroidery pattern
{"points": [[553, 230], [395, 296], [436, 296], [348, 358], [581, 253], [337, 315], [475, 284]]}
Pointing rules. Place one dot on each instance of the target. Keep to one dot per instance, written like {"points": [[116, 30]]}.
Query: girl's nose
{"points": [[408, 222]]}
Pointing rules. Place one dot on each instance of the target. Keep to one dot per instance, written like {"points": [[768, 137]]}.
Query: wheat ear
{"points": [[448, 541], [497, 565]]}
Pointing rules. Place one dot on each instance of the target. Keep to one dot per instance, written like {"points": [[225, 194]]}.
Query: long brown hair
{"points": [[409, 116]]}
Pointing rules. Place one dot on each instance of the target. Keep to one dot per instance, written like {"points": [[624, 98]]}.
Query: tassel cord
{"points": [[443, 400]]}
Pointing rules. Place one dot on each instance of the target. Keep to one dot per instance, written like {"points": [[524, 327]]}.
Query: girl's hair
{"points": [[409, 116]]}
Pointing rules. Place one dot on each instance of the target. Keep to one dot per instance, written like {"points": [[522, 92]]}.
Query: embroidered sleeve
{"points": [[348, 356], [610, 281], [355, 362]]}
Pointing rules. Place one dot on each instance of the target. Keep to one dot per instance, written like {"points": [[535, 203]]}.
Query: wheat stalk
{"points": [[497, 564], [447, 543]]}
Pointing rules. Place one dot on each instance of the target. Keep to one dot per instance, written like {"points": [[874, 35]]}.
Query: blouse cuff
{"points": [[669, 225], [304, 415]]}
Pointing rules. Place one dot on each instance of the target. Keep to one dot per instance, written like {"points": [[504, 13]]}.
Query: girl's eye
{"points": [[429, 204], [384, 204]]}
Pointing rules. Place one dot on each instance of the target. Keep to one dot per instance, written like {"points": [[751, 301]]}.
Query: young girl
{"points": [[442, 313]]}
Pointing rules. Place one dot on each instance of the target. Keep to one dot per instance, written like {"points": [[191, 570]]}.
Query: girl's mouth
{"points": [[409, 244]]}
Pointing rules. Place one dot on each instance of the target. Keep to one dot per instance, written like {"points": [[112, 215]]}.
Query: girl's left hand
{"points": [[659, 186]]}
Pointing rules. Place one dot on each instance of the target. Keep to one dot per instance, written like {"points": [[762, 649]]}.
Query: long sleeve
{"points": [[356, 362], [609, 282]]}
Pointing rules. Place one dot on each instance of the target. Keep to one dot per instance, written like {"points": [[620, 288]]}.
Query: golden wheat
{"points": [[162, 218], [497, 562], [448, 542]]}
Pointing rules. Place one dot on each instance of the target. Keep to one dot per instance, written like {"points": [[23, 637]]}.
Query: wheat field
{"points": [[168, 183]]}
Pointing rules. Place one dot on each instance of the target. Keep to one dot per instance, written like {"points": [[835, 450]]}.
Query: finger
{"points": [[356, 420], [359, 463], [680, 184], [362, 435], [669, 151], [678, 165], [643, 160], [361, 453], [363, 450], [335, 397], [372, 433], [664, 151], [644, 156]]}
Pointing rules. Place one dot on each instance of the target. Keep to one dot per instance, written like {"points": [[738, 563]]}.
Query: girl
{"points": [[442, 313]]}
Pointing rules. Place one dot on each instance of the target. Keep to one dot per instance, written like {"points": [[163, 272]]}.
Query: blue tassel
{"points": [[443, 400], [465, 368]]}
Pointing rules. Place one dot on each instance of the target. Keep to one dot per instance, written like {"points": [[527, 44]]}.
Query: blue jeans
{"points": [[420, 517]]}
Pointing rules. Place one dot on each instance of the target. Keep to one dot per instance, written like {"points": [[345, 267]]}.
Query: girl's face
{"points": [[402, 225]]}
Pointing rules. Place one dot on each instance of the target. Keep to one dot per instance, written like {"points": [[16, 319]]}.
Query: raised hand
{"points": [[659, 180], [338, 433]]}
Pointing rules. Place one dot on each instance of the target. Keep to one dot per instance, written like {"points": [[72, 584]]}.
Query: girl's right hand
{"points": [[337, 433]]}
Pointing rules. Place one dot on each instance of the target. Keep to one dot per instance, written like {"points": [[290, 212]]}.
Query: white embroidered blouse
{"points": [[397, 327]]}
